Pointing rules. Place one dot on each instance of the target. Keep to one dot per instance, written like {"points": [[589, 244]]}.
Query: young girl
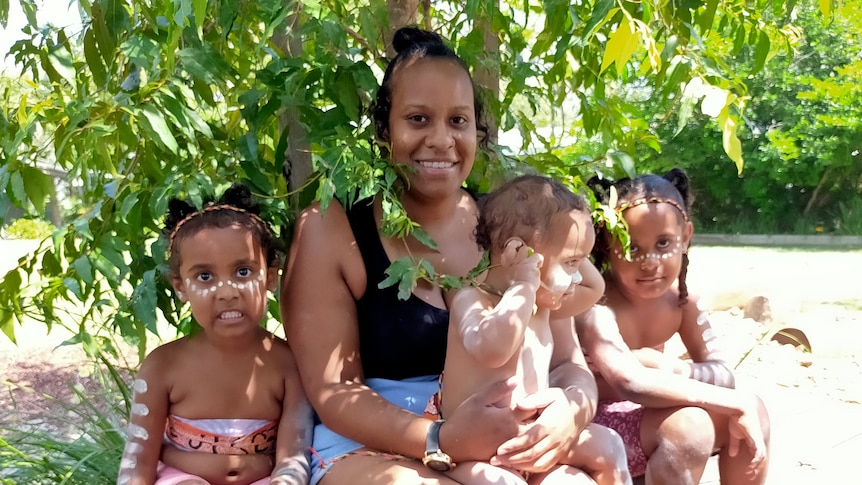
{"points": [[224, 405], [655, 401], [539, 235]]}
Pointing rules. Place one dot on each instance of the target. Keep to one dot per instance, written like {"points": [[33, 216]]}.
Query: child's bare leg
{"points": [[737, 469], [483, 473], [601, 452], [562, 475], [678, 442]]}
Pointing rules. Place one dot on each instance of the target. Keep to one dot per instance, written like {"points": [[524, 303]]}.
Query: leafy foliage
{"points": [[163, 98]]}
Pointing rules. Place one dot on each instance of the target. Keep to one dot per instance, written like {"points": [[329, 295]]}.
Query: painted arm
{"points": [[708, 363], [146, 423], [651, 387], [294, 431]]}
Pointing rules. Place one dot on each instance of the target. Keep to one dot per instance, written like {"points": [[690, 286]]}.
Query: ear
{"points": [[272, 278], [516, 243], [179, 288], [686, 237]]}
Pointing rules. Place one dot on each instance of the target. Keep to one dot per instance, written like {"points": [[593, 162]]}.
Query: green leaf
{"points": [[38, 186], [620, 47], [403, 273], [61, 61], [729, 139], [72, 285], [761, 52], [144, 301], [153, 122], [598, 17], [84, 269]]}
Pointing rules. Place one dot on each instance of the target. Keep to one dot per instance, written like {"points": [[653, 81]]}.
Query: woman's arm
{"points": [[294, 430], [324, 276]]}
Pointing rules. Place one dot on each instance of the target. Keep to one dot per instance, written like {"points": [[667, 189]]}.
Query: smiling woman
{"points": [[369, 361]]}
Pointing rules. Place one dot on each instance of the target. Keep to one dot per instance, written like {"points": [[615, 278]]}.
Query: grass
{"points": [[81, 446]]}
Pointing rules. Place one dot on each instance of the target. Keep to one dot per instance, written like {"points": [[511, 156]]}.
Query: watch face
{"points": [[438, 462], [438, 465]]}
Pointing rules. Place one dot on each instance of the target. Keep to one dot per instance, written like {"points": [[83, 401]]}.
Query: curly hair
{"points": [[523, 207]]}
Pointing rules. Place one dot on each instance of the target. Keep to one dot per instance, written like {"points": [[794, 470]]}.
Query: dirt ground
{"points": [[814, 399]]}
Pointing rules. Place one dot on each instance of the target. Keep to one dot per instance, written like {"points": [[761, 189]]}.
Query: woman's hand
{"points": [[545, 440], [479, 424]]}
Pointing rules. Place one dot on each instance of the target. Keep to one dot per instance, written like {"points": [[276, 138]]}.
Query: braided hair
{"points": [[672, 187], [235, 208]]}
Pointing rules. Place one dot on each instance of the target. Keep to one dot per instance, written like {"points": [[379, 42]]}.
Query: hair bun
{"points": [[679, 179], [407, 37], [239, 196], [600, 186]]}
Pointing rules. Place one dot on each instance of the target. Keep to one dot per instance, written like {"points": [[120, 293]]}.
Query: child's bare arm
{"points": [[492, 336], [294, 430], [588, 292], [708, 364], [146, 427]]}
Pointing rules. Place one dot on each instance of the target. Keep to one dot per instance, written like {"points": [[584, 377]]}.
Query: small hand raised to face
{"points": [[523, 264]]}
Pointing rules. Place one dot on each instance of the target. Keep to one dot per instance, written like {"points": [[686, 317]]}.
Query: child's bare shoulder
{"points": [[279, 349], [165, 358]]}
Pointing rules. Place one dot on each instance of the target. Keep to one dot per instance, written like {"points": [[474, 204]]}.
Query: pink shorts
{"points": [[625, 417], [166, 475]]}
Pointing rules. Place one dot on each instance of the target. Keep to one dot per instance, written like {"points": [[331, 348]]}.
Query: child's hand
{"points": [[746, 427], [521, 262]]}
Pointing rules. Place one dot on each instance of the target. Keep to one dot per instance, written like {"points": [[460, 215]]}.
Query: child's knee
{"points": [[600, 448], [689, 431]]}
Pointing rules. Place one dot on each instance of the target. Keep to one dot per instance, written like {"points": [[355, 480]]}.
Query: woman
{"points": [[369, 361]]}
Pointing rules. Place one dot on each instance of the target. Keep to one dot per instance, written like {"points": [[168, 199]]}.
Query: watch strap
{"points": [[432, 439]]}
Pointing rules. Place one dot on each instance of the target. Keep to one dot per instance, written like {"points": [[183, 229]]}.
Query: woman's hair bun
{"points": [[407, 37]]}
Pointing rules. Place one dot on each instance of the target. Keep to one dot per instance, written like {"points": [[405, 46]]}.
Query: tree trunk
{"points": [[487, 73], [297, 164], [401, 14]]}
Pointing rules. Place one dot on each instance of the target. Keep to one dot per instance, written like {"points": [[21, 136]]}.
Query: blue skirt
{"points": [[411, 394]]}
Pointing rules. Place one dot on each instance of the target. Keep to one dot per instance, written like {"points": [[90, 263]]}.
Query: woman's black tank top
{"points": [[397, 338]]}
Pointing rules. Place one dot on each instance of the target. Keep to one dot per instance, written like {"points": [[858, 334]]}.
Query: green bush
{"points": [[29, 229]]}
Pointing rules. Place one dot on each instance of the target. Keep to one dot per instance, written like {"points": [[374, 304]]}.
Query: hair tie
{"points": [[653, 200], [211, 208]]}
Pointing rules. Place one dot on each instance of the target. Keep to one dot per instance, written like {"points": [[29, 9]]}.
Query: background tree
{"points": [[157, 98]]}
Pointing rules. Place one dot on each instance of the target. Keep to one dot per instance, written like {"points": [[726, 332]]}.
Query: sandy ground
{"points": [[813, 398]]}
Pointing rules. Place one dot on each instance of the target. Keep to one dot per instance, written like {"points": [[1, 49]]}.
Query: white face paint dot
{"points": [[140, 409], [138, 432], [139, 385]]}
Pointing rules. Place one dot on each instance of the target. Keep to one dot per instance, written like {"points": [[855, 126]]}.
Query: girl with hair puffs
{"points": [[671, 413], [224, 405]]}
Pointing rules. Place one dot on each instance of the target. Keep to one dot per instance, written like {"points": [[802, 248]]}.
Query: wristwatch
{"points": [[434, 458]]}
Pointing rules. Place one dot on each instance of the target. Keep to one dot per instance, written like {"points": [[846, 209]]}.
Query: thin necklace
{"points": [[490, 289]]}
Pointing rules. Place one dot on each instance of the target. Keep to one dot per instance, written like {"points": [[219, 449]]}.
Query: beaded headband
{"points": [[212, 208], [654, 200]]}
